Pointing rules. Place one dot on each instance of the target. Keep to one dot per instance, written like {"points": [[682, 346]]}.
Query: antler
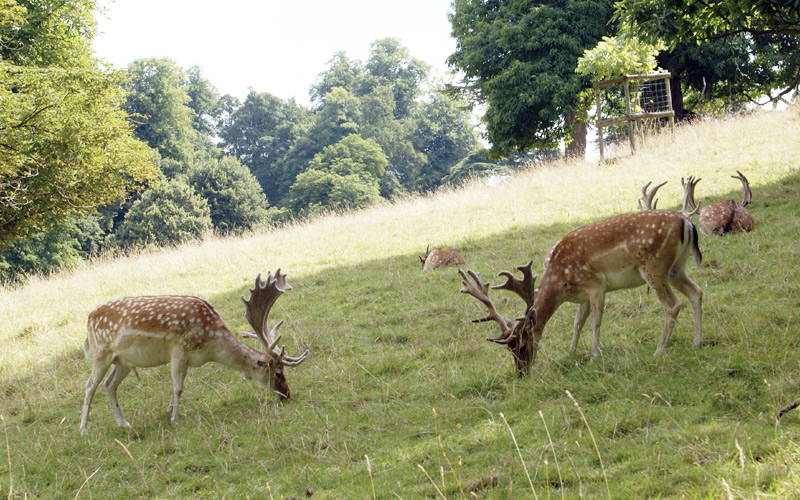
{"points": [[480, 290], [688, 196], [525, 287], [262, 297], [747, 193], [647, 197]]}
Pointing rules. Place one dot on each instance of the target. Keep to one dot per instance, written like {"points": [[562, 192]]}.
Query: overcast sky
{"points": [[270, 46]]}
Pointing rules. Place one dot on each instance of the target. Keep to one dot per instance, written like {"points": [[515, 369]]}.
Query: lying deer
{"points": [[726, 216], [441, 257], [648, 247], [138, 332]]}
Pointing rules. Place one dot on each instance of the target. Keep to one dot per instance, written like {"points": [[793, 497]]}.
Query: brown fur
{"points": [[441, 257], [726, 216]]}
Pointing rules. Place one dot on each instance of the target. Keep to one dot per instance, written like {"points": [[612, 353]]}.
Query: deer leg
{"points": [[99, 368], [580, 320], [118, 373], [597, 301], [671, 309], [695, 295], [178, 369]]}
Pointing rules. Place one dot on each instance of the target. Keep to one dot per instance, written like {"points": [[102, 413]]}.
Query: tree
{"points": [[170, 213], [234, 197], [519, 58], [742, 48], [352, 155], [260, 133], [444, 135], [203, 101], [342, 72], [158, 99], [314, 191], [65, 145], [677, 21], [391, 65], [343, 175]]}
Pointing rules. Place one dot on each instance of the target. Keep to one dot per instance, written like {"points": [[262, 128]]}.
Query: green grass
{"points": [[398, 373]]}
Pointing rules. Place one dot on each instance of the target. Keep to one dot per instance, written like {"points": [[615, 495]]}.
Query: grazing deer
{"points": [[627, 251], [137, 332], [726, 216], [441, 257]]}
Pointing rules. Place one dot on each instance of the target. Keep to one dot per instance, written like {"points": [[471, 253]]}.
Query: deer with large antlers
{"points": [[648, 247], [727, 216], [138, 332]]}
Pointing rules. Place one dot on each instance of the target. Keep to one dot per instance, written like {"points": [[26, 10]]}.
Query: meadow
{"points": [[401, 396]]}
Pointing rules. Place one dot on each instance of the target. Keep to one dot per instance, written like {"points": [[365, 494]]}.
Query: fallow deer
{"points": [[627, 251], [726, 216], [138, 332], [441, 257]]}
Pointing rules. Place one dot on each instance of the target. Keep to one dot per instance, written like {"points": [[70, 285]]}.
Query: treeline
{"points": [[176, 160]]}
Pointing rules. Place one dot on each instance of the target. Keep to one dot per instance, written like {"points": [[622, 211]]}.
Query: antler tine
{"points": [[646, 201], [747, 193], [524, 287], [292, 361], [688, 196], [480, 290]]}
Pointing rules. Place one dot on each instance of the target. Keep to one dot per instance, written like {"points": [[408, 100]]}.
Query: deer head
{"points": [[262, 296], [515, 334]]}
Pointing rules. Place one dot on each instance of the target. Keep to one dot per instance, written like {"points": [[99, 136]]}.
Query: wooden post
{"points": [[669, 105], [599, 127], [631, 122]]}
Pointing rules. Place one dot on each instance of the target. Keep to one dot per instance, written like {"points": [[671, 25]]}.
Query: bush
{"points": [[235, 198], [170, 213]]}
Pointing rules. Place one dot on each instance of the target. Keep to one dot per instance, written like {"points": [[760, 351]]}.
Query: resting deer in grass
{"points": [[441, 257], [648, 247], [726, 216], [137, 332]]}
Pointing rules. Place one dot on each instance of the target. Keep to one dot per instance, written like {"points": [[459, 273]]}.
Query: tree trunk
{"points": [[576, 148], [665, 60]]}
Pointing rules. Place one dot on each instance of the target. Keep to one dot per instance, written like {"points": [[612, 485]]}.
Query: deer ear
{"points": [[262, 362]]}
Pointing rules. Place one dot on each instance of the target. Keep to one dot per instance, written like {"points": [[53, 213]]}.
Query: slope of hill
{"points": [[400, 396]]}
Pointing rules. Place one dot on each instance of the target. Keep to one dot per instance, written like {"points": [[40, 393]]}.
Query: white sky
{"points": [[274, 46]]}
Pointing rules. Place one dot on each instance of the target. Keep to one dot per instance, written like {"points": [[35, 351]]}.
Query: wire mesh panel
{"points": [[631, 101]]}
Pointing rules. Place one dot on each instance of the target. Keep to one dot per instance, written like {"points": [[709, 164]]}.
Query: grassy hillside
{"points": [[400, 396]]}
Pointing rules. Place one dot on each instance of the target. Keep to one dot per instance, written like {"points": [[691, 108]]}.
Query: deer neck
{"points": [[545, 303], [235, 354]]}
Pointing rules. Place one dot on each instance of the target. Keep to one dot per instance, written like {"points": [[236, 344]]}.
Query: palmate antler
{"points": [[511, 329], [262, 296], [524, 287], [480, 290]]}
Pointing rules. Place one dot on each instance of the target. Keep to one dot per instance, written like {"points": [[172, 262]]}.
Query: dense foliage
{"points": [[65, 146], [170, 213], [519, 58]]}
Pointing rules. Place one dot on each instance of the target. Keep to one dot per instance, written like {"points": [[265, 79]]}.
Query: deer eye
{"points": [[279, 375]]}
